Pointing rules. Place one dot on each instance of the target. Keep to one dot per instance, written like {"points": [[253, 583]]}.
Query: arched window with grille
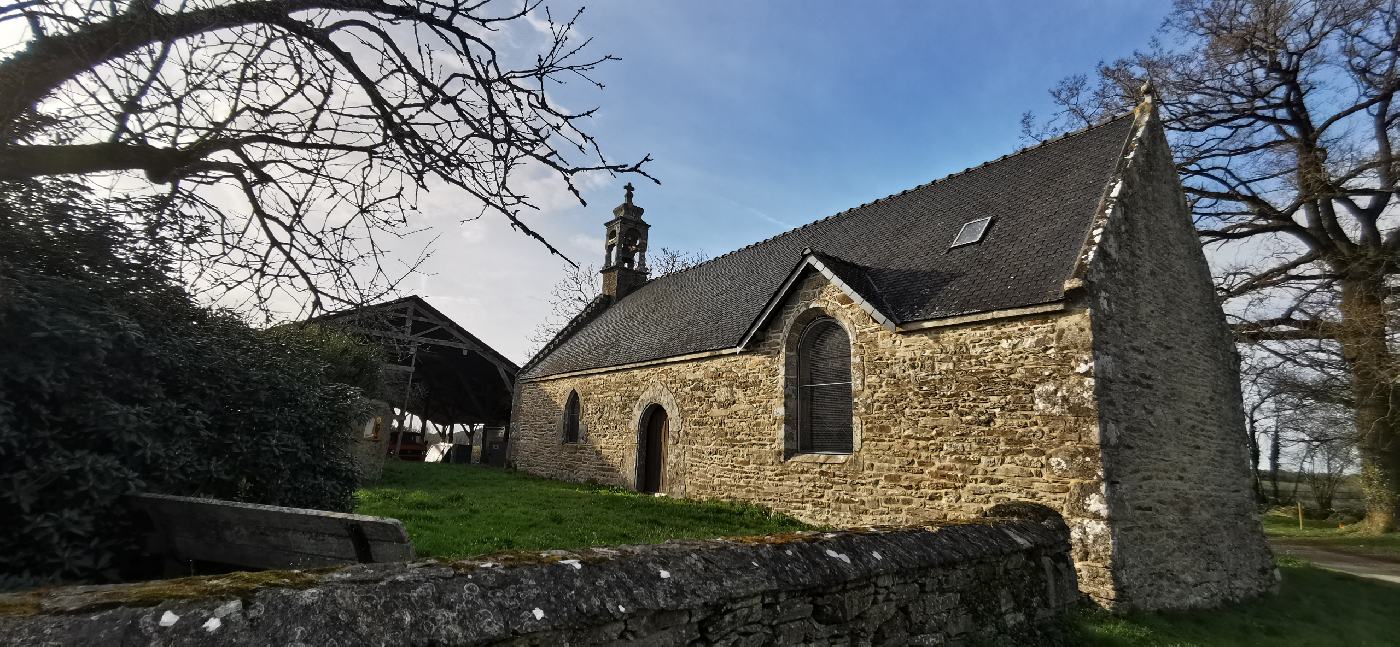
{"points": [[571, 418], [824, 389]]}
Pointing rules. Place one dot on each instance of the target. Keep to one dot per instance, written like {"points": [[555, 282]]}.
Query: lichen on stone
{"points": [[146, 594]]}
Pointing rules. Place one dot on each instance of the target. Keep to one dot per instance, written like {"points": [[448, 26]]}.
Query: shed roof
{"points": [[456, 377]]}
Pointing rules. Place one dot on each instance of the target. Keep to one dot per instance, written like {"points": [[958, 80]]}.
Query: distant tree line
{"points": [[1303, 440]]}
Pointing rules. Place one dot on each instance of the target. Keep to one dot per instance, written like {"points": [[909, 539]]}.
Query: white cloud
{"points": [[761, 214], [586, 244], [536, 21]]}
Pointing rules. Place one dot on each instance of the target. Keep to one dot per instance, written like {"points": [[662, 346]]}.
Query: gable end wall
{"points": [[1185, 528]]}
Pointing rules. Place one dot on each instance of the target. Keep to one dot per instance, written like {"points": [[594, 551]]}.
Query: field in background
{"points": [[1292, 485], [454, 511], [1332, 535]]}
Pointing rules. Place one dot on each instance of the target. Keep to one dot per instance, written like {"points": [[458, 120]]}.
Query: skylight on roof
{"points": [[971, 232]]}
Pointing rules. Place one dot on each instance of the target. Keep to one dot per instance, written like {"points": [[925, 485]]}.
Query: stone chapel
{"points": [[1041, 328]]}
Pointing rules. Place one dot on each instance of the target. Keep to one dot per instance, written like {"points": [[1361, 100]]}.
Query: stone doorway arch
{"points": [[652, 439], [657, 396]]}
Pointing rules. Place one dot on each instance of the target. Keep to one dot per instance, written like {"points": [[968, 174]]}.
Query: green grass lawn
{"points": [[1314, 608], [454, 511], [1329, 534]]}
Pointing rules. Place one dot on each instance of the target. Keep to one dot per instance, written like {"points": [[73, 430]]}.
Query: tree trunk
{"points": [[1297, 480], [1254, 461], [1274, 455], [1364, 348]]}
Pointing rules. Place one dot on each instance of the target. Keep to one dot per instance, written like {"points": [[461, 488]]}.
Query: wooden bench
{"points": [[248, 535]]}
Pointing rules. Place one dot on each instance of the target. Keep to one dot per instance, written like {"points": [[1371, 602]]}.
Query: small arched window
{"points": [[571, 418], [824, 389]]}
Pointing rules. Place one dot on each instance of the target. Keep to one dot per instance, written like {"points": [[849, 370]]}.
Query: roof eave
{"points": [[579, 320], [986, 315]]}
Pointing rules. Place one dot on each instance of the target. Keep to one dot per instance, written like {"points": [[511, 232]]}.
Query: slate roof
{"points": [[856, 277], [894, 250]]}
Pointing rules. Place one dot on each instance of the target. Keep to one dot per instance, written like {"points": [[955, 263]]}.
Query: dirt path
{"points": [[1336, 560]]}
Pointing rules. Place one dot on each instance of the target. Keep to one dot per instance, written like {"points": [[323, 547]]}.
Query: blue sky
{"points": [[762, 116]]}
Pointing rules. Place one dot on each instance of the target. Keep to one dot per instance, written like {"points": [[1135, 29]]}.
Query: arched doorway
{"points": [[651, 449]]}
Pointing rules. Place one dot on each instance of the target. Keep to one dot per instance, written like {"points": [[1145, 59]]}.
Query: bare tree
{"points": [[1328, 463], [669, 261], [1284, 386], [1282, 116], [569, 296], [281, 140], [1321, 437], [1260, 400], [582, 285]]}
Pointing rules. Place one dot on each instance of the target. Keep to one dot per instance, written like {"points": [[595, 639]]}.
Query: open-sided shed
{"points": [[435, 369]]}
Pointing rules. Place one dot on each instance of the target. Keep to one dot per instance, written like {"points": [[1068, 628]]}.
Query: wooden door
{"points": [[653, 450]]}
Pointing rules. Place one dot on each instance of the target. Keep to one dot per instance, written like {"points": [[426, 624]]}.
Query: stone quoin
{"points": [[1041, 328]]}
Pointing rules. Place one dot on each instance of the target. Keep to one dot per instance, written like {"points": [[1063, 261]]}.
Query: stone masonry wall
{"points": [[1166, 371], [1003, 582], [949, 422]]}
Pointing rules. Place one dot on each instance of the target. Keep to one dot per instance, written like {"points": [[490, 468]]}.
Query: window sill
{"points": [[819, 458]]}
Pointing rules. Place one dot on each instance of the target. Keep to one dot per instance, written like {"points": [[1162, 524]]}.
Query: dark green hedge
{"points": [[112, 380]]}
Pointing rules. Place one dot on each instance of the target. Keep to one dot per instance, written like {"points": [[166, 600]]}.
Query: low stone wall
{"points": [[1002, 581]]}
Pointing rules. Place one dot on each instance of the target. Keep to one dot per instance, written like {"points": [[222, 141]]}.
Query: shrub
{"points": [[113, 380]]}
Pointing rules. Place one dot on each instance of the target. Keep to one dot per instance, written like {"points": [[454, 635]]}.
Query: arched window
{"points": [[571, 418], [824, 389]]}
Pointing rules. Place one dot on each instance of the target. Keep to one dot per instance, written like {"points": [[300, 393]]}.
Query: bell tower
{"points": [[625, 258]]}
